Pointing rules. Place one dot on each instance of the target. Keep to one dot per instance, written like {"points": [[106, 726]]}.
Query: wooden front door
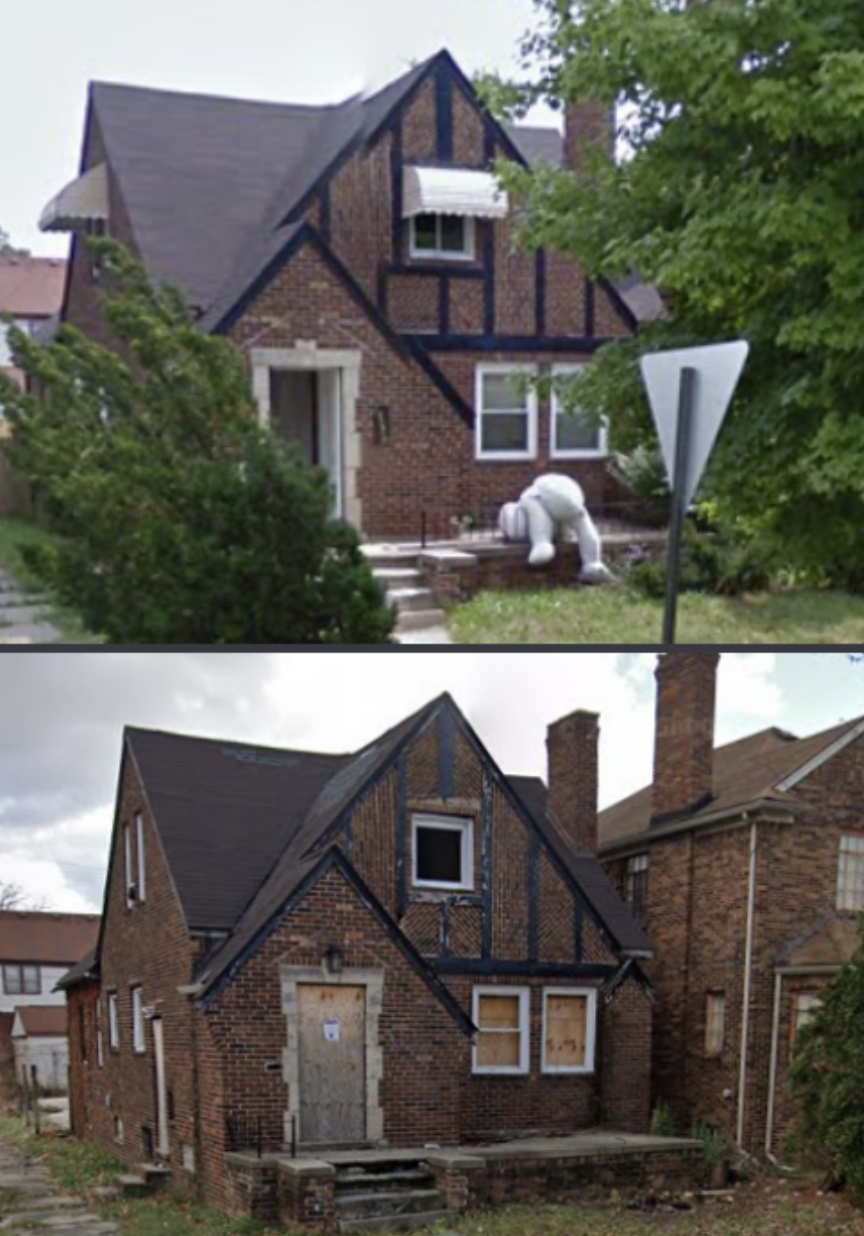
{"points": [[332, 1047]]}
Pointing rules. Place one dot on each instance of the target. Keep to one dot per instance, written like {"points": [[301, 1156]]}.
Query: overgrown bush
{"points": [[662, 1121], [180, 520], [712, 561]]}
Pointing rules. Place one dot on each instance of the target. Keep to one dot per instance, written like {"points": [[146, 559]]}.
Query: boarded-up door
{"points": [[332, 1038]]}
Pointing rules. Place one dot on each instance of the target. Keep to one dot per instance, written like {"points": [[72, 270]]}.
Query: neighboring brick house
{"points": [[31, 292], [745, 863], [36, 950], [363, 261], [397, 947]]}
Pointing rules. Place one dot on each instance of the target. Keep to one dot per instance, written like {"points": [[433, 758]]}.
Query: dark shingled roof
{"points": [[224, 812], [537, 145], [79, 973], [46, 939], [584, 869], [745, 772]]}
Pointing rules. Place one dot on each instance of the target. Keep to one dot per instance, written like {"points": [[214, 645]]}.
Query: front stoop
{"points": [[144, 1179], [408, 594], [387, 1195]]}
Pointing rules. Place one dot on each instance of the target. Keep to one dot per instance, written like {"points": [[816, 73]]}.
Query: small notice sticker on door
{"points": [[331, 1031]]}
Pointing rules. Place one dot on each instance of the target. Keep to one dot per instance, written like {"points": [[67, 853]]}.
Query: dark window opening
{"points": [[636, 892], [439, 855]]}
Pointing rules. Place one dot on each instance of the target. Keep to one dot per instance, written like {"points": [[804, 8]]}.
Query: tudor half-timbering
{"points": [[399, 947], [363, 259]]}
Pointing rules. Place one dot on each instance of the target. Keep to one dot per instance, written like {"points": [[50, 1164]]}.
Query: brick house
{"points": [[36, 950], [745, 864], [398, 947], [363, 261]]}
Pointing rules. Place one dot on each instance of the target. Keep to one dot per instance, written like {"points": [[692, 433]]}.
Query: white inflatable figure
{"points": [[555, 504]]}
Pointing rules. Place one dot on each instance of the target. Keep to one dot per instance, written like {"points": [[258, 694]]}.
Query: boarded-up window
{"points": [[569, 1017], [715, 1022], [850, 874], [501, 1017]]}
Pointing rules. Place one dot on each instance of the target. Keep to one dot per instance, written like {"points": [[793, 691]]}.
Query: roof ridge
{"points": [[237, 742], [205, 96]]}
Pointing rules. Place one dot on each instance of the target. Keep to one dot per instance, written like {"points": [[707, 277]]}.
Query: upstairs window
{"points": [[850, 873], [443, 852], [22, 980], [139, 850], [113, 1023], [636, 886], [506, 413], [501, 1017], [715, 1022], [442, 236]]}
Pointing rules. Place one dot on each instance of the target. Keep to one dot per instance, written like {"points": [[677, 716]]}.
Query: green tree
{"points": [[737, 191], [827, 1078], [7, 249], [180, 520]]}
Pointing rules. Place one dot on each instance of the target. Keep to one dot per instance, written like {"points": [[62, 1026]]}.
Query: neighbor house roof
{"points": [[40, 1020], [747, 772], [46, 939], [31, 287]]}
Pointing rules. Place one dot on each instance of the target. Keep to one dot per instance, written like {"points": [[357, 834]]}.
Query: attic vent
{"points": [[244, 756]]}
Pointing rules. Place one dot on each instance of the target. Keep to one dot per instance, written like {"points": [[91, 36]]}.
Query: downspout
{"points": [[745, 1009], [772, 1069]]}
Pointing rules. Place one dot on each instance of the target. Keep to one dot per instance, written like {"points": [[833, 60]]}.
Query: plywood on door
{"points": [[332, 1048]]}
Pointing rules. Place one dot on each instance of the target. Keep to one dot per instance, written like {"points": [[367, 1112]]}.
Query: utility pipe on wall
{"points": [[745, 1009]]}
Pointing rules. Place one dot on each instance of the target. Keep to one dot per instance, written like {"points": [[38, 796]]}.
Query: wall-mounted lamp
{"points": [[381, 425], [334, 960]]}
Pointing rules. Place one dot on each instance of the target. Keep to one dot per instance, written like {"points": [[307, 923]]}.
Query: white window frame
{"points": [[139, 854], [714, 1043], [453, 824], [137, 1020], [100, 1055], [113, 1022], [850, 872], [529, 371], [444, 255], [556, 452], [590, 1029], [127, 865], [524, 994]]}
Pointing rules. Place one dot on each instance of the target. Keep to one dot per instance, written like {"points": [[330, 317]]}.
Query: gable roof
{"points": [[40, 1021], [747, 772], [46, 939]]}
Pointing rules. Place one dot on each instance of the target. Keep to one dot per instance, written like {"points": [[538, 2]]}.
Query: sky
{"points": [[62, 716], [303, 51]]}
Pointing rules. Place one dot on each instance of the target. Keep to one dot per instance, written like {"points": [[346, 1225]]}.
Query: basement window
{"points": [[569, 1029], [443, 852], [501, 1017]]}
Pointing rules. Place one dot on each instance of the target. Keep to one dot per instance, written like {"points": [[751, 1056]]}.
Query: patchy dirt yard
{"points": [[765, 1207]]}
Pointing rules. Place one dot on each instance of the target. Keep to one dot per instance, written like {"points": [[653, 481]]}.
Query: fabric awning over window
{"points": [[451, 191], [85, 200]]}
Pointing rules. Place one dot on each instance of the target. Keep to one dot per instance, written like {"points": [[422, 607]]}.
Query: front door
{"points": [[306, 408], [332, 1049]]}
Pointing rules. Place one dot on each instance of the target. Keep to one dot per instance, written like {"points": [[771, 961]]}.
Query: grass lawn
{"points": [[766, 1207], [619, 615], [16, 535]]}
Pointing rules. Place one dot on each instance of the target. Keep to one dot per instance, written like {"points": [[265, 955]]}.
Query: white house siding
{"points": [[51, 1057]]}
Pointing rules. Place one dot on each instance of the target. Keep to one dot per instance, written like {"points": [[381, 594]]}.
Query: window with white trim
{"points": [[569, 1029], [804, 1005], [100, 1057], [446, 237], [128, 869], [443, 851], [850, 872], [506, 403], [636, 886], [113, 1022], [501, 1017], [21, 980], [137, 1020], [139, 854], [715, 1022], [573, 436]]}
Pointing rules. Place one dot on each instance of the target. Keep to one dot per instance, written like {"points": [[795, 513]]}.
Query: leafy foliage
{"points": [[737, 192], [827, 1077], [182, 520], [7, 249]]}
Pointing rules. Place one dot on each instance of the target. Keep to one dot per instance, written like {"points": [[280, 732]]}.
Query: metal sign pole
{"points": [[682, 446]]}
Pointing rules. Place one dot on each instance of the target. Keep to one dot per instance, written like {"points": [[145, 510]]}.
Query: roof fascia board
{"points": [[817, 761], [625, 313], [492, 127], [162, 853], [118, 794], [466, 412], [766, 810]]}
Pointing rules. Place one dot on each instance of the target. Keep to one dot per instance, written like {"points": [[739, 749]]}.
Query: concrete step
{"points": [[398, 577], [383, 1203], [354, 1180], [132, 1186], [419, 620], [156, 1175], [408, 600], [386, 557], [415, 1220]]}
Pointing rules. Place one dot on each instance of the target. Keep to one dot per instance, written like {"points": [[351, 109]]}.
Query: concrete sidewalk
{"points": [[24, 617], [30, 1200]]}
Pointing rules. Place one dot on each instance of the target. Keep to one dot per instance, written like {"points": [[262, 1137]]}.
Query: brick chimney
{"points": [[571, 746], [684, 736], [588, 125]]}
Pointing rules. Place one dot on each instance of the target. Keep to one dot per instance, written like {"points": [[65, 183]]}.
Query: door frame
{"points": [[163, 1144], [373, 981], [305, 356]]}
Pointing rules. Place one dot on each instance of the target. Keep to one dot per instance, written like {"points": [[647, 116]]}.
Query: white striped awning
{"points": [[451, 191], [83, 201]]}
